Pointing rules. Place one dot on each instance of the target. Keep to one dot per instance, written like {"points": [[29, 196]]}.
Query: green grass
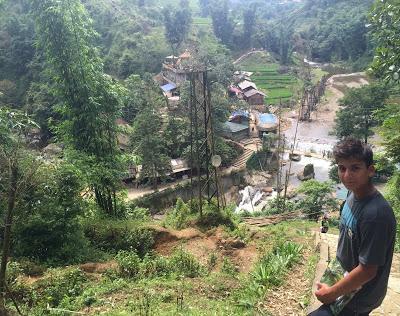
{"points": [[216, 291], [267, 78], [317, 74], [201, 21]]}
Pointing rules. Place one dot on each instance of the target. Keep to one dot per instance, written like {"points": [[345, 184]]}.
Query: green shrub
{"points": [[185, 215], [228, 267], [128, 264], [154, 266], [241, 231], [333, 173], [14, 270], [32, 268], [213, 217], [185, 264], [276, 206], [138, 214], [58, 285], [180, 216], [393, 196], [212, 261], [383, 165], [228, 151], [317, 198], [116, 235], [50, 230]]}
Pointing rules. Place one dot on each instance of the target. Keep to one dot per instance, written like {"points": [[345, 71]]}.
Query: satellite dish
{"points": [[216, 161]]}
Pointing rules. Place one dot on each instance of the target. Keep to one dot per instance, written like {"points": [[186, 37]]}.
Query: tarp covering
{"points": [[168, 87], [240, 113], [267, 118]]}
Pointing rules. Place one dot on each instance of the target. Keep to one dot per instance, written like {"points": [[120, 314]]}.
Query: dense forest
{"points": [[82, 100]]}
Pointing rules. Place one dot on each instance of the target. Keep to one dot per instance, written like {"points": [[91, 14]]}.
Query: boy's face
{"points": [[354, 174]]}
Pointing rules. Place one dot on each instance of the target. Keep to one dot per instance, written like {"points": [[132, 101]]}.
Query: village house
{"points": [[174, 70], [235, 131], [247, 86], [254, 97]]}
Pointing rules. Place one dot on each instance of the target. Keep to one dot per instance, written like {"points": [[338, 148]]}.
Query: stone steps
{"points": [[241, 161]]}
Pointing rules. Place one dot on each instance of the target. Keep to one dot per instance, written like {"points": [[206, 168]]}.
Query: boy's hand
{"points": [[324, 293]]}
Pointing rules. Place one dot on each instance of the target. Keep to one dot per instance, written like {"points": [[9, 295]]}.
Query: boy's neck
{"points": [[365, 192]]}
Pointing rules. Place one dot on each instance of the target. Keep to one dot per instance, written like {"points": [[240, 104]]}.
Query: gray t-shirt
{"points": [[367, 236]]}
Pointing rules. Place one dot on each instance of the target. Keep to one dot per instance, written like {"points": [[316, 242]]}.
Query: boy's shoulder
{"points": [[377, 208]]}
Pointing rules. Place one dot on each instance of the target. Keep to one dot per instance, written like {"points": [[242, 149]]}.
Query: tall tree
{"points": [[249, 23], [17, 168], [177, 23], [147, 137], [91, 100], [356, 118], [204, 7], [385, 20], [222, 22]]}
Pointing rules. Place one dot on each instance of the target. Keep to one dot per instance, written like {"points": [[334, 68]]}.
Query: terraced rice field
{"points": [[267, 78]]}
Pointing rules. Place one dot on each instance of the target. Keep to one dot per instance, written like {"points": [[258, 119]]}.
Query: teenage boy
{"points": [[367, 235]]}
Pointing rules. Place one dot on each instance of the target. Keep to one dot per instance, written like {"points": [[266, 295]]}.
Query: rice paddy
{"points": [[269, 77]]}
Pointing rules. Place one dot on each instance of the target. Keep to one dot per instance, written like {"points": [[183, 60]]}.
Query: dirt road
{"points": [[317, 136]]}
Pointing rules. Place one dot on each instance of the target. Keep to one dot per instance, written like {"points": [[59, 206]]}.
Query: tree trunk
{"points": [[12, 193]]}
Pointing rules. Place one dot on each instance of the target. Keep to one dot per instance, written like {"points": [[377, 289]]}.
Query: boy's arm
{"points": [[354, 280]]}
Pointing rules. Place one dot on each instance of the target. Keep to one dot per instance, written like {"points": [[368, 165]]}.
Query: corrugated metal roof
{"points": [[252, 92], [168, 87], [246, 84], [235, 127]]}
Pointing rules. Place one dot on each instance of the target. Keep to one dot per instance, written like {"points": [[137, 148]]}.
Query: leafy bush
{"points": [[60, 285], [333, 173], [185, 215], [31, 268], [242, 231], [14, 270], [138, 214], [383, 165], [128, 263], [213, 217], [117, 235], [185, 264], [212, 261], [228, 151], [181, 263], [228, 267], [154, 266], [317, 198], [180, 216], [393, 196], [50, 230], [276, 206]]}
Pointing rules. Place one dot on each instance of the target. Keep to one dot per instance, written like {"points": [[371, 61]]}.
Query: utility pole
{"points": [[202, 158]]}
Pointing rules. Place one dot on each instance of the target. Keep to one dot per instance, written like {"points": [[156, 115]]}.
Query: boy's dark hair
{"points": [[351, 147]]}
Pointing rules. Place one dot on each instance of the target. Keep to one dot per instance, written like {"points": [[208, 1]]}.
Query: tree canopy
{"points": [[356, 117]]}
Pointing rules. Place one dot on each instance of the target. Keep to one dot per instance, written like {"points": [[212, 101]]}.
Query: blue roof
{"points": [[240, 113], [267, 118], [168, 87]]}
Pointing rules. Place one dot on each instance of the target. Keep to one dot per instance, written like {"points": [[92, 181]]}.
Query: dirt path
{"points": [[316, 136], [246, 55]]}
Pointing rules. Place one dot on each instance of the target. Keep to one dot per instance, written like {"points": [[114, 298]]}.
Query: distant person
{"points": [[367, 235]]}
